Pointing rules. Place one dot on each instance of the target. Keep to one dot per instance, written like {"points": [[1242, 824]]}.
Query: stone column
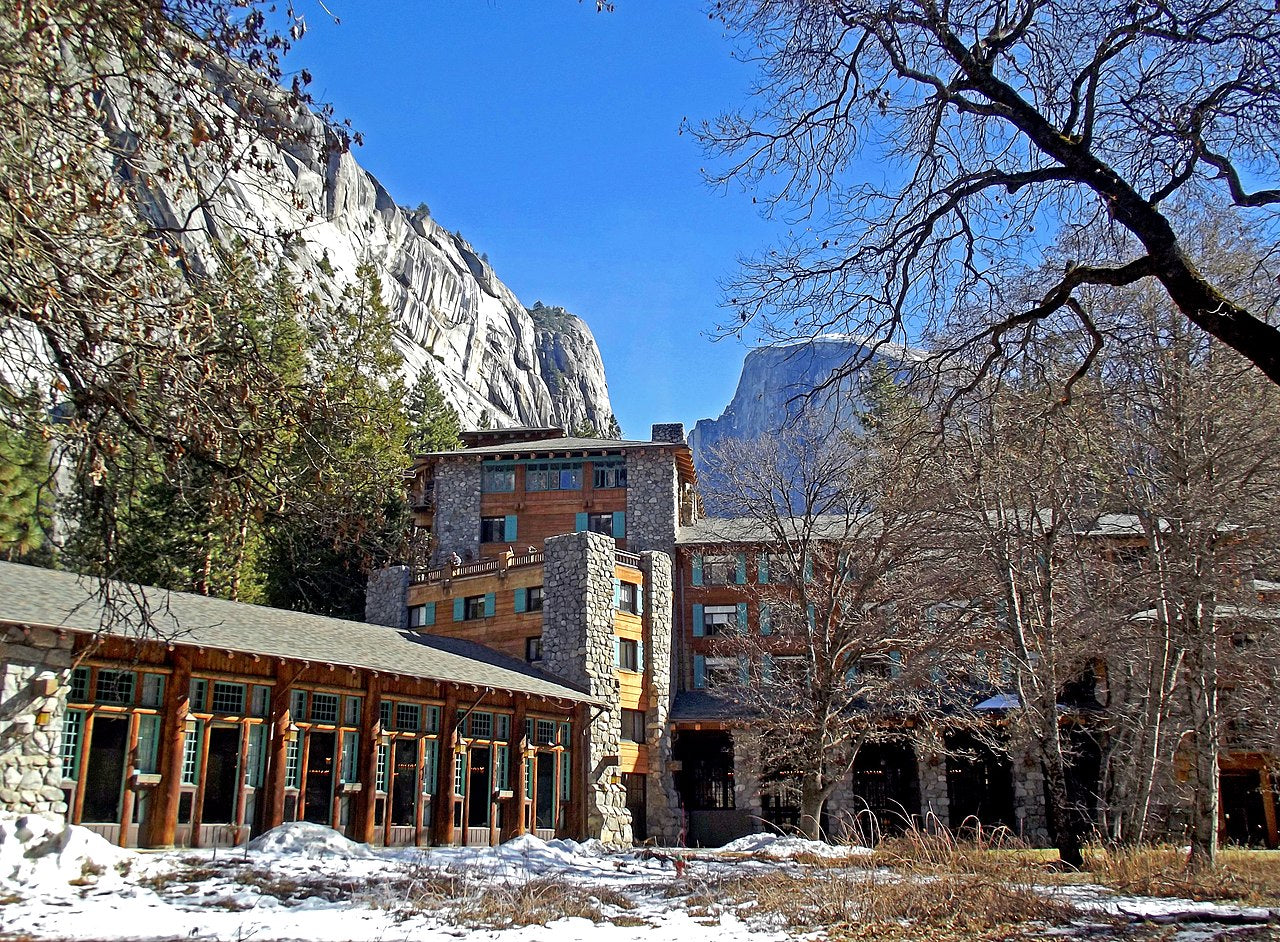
{"points": [[35, 666], [456, 524], [653, 500], [746, 774], [931, 767], [386, 595], [1029, 804], [662, 798], [578, 646]]}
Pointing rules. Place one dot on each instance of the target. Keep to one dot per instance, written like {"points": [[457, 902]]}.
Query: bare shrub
{"points": [[1243, 875]]}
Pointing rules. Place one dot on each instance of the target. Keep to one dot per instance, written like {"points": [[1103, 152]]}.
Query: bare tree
{"points": [[979, 126], [840, 656]]}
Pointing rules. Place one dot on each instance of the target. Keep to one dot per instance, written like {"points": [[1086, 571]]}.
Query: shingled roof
{"points": [[47, 598]]}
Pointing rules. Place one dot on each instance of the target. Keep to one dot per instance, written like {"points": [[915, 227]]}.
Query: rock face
{"points": [[778, 381], [571, 367], [312, 203]]}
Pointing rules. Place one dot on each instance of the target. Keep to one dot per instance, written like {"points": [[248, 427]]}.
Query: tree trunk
{"points": [[1202, 683], [812, 799], [1065, 817]]}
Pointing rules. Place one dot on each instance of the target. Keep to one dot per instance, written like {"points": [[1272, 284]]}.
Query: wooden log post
{"points": [[173, 731], [442, 812], [370, 732]]}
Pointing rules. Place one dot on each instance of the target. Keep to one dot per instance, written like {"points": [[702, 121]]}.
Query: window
{"points": [[609, 524], [72, 724], [197, 691], [473, 607], [528, 600], [496, 478], [633, 727], [324, 708], [546, 733], [152, 690], [718, 619], [297, 704], [351, 713], [228, 698], [609, 473], [421, 616], [386, 709], [480, 726], [533, 649], [261, 701], [493, 529], [721, 569], [408, 716], [711, 672], [629, 597], [600, 523], [553, 476], [115, 686], [628, 654], [79, 685]]}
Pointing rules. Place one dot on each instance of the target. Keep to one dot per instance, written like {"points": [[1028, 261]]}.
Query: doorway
{"points": [[545, 810], [478, 789], [318, 805], [404, 782], [104, 778], [979, 783], [222, 775]]}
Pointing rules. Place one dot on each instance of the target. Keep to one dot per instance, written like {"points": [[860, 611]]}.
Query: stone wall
{"points": [[931, 767], [578, 645], [664, 817], [746, 773], [456, 524], [1029, 795], [34, 669], [652, 500], [385, 595]]}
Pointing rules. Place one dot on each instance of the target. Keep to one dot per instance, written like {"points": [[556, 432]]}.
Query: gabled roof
{"points": [[51, 599]]}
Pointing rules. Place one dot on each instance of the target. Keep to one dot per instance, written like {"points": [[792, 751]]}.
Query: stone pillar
{"points": [[746, 774], [1029, 806], [35, 664], [653, 500], [662, 799], [931, 767], [578, 646], [456, 523], [385, 598]]}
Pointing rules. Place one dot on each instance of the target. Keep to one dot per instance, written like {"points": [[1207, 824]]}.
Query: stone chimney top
{"points": [[669, 432]]}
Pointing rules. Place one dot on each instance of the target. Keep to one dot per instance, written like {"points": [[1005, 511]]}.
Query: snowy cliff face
{"points": [[777, 382], [324, 214]]}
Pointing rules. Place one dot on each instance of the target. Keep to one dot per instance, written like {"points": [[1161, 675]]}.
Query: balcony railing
{"points": [[499, 564]]}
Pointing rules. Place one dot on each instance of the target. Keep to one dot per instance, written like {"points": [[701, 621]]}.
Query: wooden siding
{"points": [[504, 631], [541, 514]]}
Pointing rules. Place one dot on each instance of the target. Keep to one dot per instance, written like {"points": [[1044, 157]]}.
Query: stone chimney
{"points": [[670, 432]]}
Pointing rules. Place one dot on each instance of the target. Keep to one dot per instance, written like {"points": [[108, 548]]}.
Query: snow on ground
{"points": [[302, 881]]}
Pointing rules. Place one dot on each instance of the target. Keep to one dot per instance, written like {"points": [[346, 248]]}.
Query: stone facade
{"points": [[457, 517], [931, 769], [664, 817], [384, 600], [670, 432], [33, 699], [747, 750], [653, 506], [578, 645], [1029, 795]]}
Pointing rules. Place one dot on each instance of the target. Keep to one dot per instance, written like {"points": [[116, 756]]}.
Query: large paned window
{"points": [[553, 476], [609, 473], [498, 478]]}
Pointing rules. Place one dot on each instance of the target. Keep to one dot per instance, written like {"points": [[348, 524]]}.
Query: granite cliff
{"points": [[311, 203]]}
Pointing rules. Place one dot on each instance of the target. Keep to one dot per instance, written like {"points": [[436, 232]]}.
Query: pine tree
{"points": [[435, 423]]}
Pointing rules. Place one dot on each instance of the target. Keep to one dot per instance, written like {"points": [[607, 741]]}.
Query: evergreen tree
{"points": [[435, 423]]}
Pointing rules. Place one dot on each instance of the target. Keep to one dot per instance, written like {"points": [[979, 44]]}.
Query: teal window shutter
{"points": [[459, 608], [490, 604], [808, 569], [762, 568], [429, 613], [699, 671], [851, 675], [766, 619], [522, 600], [699, 628], [509, 528], [640, 656], [766, 669], [617, 652], [744, 670], [619, 524], [895, 663], [740, 576], [639, 600], [579, 522], [617, 592], [742, 617], [697, 569], [810, 613]]}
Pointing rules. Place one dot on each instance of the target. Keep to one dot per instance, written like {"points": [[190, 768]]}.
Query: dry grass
{"points": [[474, 902], [1246, 876]]}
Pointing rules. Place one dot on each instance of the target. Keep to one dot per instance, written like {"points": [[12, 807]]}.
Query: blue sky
{"points": [[548, 135]]}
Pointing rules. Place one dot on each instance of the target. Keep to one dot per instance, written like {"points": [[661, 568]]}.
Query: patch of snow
{"points": [[778, 847], [36, 852], [309, 840]]}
